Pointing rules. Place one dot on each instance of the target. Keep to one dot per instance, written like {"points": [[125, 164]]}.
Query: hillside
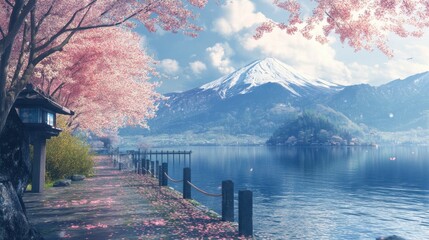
{"points": [[314, 129], [248, 105], [253, 101], [396, 106]]}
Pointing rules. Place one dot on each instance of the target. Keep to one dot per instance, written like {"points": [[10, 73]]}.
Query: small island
{"points": [[313, 129]]}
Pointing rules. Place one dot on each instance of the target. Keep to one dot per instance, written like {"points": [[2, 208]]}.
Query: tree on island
{"points": [[310, 129], [32, 30]]}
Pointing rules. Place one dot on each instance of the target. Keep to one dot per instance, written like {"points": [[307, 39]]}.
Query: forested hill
{"points": [[312, 129]]}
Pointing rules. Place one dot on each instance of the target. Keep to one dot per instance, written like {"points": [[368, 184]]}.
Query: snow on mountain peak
{"points": [[257, 73]]}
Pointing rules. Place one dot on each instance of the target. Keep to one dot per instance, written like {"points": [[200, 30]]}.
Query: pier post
{"points": [[157, 168], [164, 170], [152, 168], [159, 173], [186, 186], [147, 165], [139, 162], [228, 201], [135, 162], [245, 213]]}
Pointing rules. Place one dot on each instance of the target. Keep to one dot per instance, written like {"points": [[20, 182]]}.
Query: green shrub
{"points": [[67, 155]]}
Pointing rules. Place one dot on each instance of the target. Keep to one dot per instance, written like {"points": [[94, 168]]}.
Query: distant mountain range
{"points": [[395, 106], [252, 102]]}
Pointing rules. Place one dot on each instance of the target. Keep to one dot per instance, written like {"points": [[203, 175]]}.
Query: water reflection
{"points": [[322, 193]]}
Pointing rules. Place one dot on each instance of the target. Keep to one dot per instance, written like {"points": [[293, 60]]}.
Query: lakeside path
{"points": [[120, 205]]}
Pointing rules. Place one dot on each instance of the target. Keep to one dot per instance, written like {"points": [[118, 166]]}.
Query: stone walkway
{"points": [[120, 205]]}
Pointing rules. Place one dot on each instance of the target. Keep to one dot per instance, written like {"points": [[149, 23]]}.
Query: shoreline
{"points": [[117, 204], [190, 218]]}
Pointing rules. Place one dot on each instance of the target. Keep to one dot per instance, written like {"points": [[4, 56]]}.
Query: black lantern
{"points": [[38, 113]]}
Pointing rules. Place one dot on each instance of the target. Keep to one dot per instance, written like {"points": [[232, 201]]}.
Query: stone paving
{"points": [[120, 205]]}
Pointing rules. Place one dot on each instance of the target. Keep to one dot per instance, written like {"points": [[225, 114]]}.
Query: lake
{"points": [[320, 193]]}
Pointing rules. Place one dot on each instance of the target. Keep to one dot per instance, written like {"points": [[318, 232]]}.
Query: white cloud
{"points": [[197, 67], [219, 55], [238, 22], [409, 60], [169, 66], [307, 56], [238, 15]]}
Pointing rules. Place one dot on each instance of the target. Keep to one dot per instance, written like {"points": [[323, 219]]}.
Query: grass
{"points": [[47, 186]]}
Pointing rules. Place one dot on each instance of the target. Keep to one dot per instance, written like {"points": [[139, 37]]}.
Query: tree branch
{"points": [[19, 85], [329, 15], [64, 28], [19, 13], [78, 28], [146, 9], [21, 56], [48, 90], [58, 88], [336, 22], [60, 46], [66, 102], [43, 80], [52, 50], [44, 16], [32, 35], [8, 3]]}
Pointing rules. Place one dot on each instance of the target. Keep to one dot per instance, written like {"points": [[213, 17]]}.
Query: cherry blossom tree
{"points": [[102, 74], [32, 30], [362, 24]]}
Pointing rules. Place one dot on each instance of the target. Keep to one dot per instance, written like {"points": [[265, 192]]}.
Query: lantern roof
{"points": [[32, 96]]}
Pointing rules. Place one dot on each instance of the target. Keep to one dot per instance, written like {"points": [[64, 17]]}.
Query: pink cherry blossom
{"points": [[33, 30], [365, 24]]}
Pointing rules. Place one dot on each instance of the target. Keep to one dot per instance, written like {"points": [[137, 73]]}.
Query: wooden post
{"points": [[139, 165], [245, 213], [186, 186], [164, 170], [160, 175], [157, 168], [143, 166], [147, 165], [228, 201], [135, 162], [152, 168]]}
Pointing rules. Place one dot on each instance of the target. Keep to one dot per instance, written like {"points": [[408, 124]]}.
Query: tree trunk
{"points": [[14, 175]]}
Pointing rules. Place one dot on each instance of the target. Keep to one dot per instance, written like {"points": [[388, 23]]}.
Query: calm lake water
{"points": [[320, 193]]}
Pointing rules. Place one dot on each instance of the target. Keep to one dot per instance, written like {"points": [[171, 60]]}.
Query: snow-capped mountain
{"points": [[253, 100], [260, 72]]}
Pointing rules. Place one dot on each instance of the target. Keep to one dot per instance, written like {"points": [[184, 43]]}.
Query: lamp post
{"points": [[38, 114]]}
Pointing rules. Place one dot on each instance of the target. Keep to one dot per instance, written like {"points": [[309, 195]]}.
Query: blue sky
{"points": [[226, 44]]}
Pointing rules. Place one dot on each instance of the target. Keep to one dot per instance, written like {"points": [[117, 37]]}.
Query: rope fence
{"points": [[143, 164], [172, 179], [204, 192]]}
